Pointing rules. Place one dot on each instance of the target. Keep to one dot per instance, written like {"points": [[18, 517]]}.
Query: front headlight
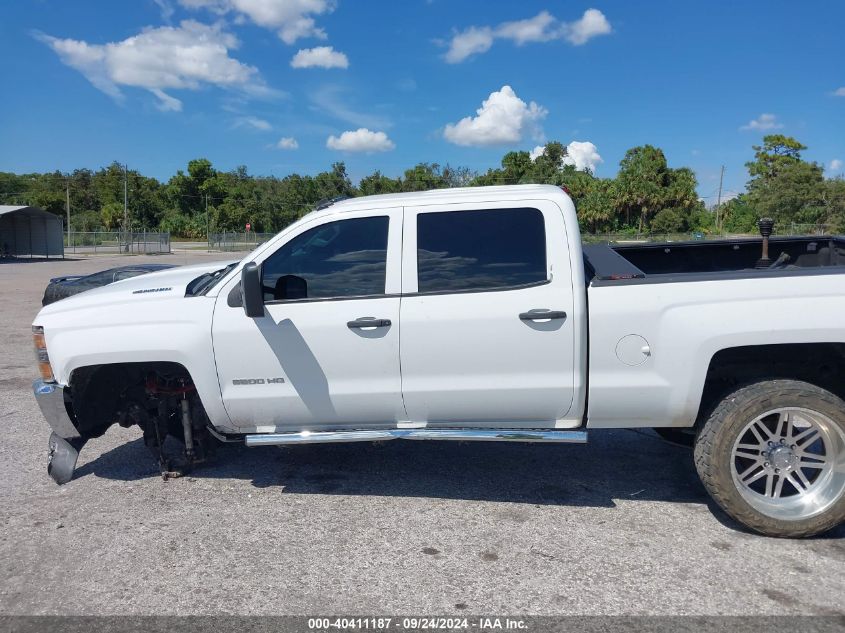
{"points": [[41, 353]]}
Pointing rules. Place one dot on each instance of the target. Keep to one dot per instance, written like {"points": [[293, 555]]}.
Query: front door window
{"points": [[346, 258]]}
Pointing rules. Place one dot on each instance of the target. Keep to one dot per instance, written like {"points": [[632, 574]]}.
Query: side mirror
{"points": [[253, 295]]}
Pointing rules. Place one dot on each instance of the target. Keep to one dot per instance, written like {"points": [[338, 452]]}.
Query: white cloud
{"points": [[543, 27], [165, 8], [502, 118], [591, 24], [253, 122], [712, 202], [765, 121], [165, 102], [185, 57], [319, 57], [839, 92], [582, 154], [287, 142], [360, 140], [835, 165], [291, 19], [469, 42], [540, 28], [332, 99]]}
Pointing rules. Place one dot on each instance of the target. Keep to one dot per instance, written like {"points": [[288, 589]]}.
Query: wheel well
{"points": [[101, 393], [821, 364]]}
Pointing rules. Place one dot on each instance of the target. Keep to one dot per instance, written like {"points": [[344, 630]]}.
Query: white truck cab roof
{"points": [[440, 196]]}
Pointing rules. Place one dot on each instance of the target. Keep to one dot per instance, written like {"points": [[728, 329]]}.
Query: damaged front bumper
{"points": [[65, 441], [51, 398]]}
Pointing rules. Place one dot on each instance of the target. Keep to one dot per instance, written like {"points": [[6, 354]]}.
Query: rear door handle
{"points": [[540, 315], [365, 322]]}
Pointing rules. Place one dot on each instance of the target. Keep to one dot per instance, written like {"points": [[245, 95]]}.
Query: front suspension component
{"points": [[174, 416]]}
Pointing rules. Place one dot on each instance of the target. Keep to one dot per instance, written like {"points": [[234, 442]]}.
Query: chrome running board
{"points": [[467, 435]]}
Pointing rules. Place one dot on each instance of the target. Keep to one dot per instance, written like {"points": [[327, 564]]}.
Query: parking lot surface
{"points": [[619, 526]]}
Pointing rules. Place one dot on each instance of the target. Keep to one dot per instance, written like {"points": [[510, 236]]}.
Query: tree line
{"points": [[646, 195]]}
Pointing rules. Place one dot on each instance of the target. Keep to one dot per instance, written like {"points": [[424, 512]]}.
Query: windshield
{"points": [[207, 281]]}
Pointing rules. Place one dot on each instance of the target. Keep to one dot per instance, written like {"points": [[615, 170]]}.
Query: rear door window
{"points": [[480, 250]]}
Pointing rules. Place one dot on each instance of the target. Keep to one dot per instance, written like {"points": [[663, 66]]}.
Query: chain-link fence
{"points": [[236, 241], [117, 242], [804, 229]]}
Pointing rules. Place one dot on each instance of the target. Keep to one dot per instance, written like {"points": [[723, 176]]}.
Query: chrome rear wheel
{"points": [[784, 463]]}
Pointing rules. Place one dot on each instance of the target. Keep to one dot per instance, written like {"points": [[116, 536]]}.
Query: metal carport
{"points": [[30, 232]]}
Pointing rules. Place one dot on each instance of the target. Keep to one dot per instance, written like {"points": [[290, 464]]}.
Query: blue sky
{"points": [[275, 84]]}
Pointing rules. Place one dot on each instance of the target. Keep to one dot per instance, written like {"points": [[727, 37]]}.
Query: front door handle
{"points": [[365, 322], [540, 315]]}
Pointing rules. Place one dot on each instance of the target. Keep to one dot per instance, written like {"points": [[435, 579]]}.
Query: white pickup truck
{"points": [[475, 314]]}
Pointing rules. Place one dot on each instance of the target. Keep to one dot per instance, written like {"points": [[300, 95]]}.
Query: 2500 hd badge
{"points": [[257, 381]]}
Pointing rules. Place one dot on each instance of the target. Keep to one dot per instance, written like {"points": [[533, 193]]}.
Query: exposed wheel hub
{"points": [[781, 457]]}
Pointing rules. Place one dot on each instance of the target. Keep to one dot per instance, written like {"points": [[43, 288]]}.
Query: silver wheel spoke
{"points": [[805, 464], [789, 463], [782, 418], [770, 478], [754, 478], [817, 465], [799, 485], [755, 429], [806, 437], [751, 447], [747, 454], [745, 473], [779, 487], [790, 427], [808, 456], [799, 474]]}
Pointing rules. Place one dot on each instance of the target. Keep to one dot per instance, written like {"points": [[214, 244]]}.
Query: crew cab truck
{"points": [[475, 314]]}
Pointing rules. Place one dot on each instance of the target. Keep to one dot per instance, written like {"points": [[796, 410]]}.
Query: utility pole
{"points": [[67, 207], [719, 200], [207, 234], [127, 234], [125, 203]]}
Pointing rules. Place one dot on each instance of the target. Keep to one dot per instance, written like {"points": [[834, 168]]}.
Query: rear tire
{"points": [[771, 457]]}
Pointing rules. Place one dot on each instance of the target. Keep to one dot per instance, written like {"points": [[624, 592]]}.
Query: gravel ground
{"points": [[619, 526]]}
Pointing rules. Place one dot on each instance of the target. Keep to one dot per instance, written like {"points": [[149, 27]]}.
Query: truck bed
{"points": [[689, 261], [659, 313]]}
